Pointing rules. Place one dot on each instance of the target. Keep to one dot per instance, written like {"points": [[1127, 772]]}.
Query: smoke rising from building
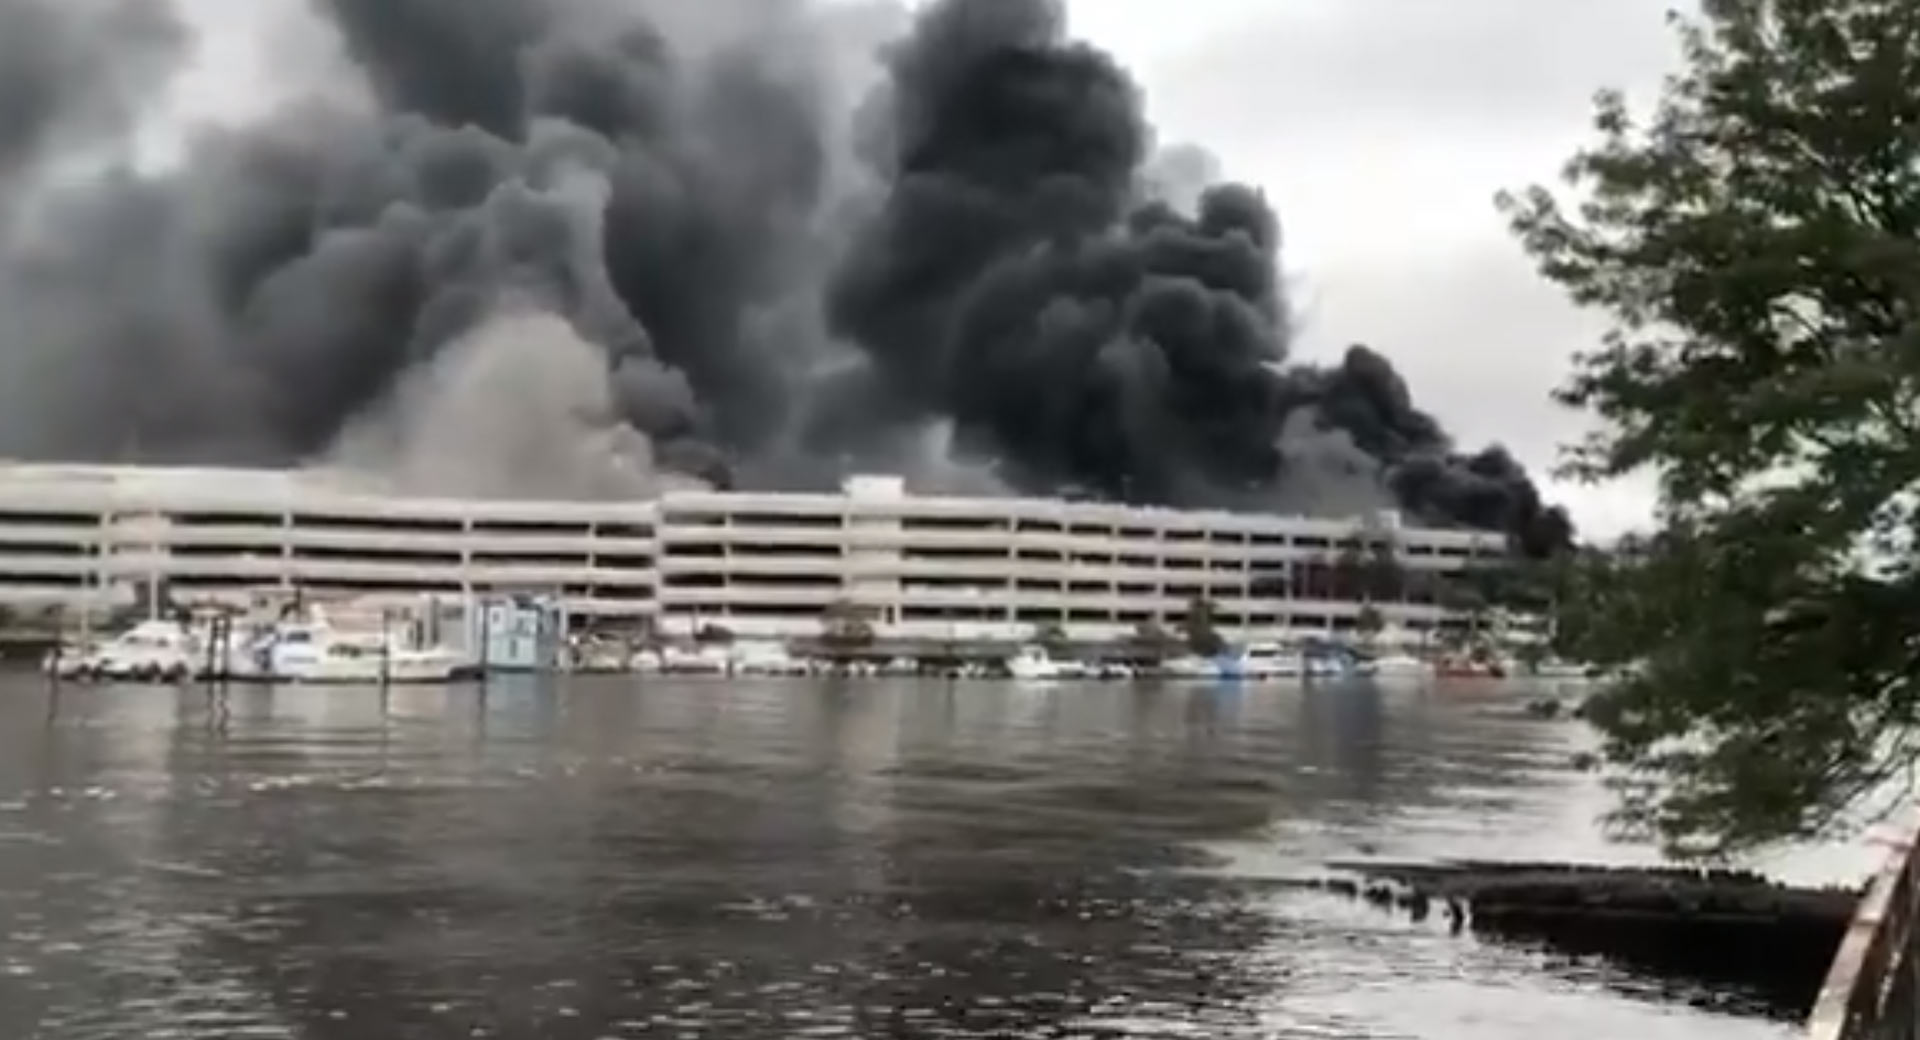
{"points": [[597, 246]]}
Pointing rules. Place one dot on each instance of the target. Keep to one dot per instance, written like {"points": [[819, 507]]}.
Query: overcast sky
{"points": [[1381, 129]]}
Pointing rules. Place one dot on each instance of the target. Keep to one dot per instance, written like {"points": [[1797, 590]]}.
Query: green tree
{"points": [[1199, 626], [1153, 642], [1053, 636], [1756, 243], [1515, 583], [1370, 622], [1583, 589]]}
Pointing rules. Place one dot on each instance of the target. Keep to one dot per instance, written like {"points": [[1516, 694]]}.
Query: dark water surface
{"points": [[612, 858]]}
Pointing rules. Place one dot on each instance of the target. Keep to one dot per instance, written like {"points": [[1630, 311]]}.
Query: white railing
{"points": [[1870, 992]]}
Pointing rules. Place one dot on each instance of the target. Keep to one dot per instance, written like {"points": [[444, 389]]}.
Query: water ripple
{"points": [[620, 859]]}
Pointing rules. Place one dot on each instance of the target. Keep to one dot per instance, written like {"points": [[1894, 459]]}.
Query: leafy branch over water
{"points": [[1757, 243]]}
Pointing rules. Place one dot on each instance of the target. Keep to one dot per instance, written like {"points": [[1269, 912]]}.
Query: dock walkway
{"points": [[1870, 990]]}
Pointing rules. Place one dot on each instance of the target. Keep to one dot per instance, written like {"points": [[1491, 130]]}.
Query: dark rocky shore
{"points": [[1731, 929]]}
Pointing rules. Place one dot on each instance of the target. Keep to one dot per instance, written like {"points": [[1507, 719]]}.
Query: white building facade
{"points": [[756, 564]]}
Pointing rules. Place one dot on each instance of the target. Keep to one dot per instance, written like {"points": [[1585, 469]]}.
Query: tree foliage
{"points": [[1153, 642], [1053, 636], [1370, 622], [1756, 242], [1516, 584], [1583, 583], [1200, 628]]}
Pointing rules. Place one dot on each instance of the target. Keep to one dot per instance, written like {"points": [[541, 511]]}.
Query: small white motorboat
{"points": [[1270, 661], [312, 651], [151, 651], [1036, 664]]}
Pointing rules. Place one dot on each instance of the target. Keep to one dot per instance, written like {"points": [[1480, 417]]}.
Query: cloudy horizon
{"points": [[1386, 194]]}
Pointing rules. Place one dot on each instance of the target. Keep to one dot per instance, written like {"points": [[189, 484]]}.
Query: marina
{"points": [[443, 639], [171, 574], [291, 639]]}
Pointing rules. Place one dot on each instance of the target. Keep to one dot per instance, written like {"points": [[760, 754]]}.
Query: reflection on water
{"points": [[702, 859]]}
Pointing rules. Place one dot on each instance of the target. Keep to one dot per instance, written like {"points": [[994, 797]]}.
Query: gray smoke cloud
{"points": [[519, 406], [1327, 472], [74, 73], [593, 247]]}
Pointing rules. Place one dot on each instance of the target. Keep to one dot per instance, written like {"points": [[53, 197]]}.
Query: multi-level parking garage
{"points": [[81, 535], [754, 563]]}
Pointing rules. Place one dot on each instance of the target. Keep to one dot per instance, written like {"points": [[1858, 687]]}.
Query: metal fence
{"points": [[1871, 989]]}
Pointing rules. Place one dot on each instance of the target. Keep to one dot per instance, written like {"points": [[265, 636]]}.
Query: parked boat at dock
{"points": [[1326, 666], [1036, 664], [764, 658], [1461, 666], [703, 660], [1270, 661], [1188, 666], [346, 642], [311, 650], [151, 651]]}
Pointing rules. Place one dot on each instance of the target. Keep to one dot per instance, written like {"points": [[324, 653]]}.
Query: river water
{"points": [[622, 858]]}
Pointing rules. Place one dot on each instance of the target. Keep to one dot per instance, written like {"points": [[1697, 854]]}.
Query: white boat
{"points": [[1398, 666], [1327, 666], [1269, 661], [1189, 666], [764, 659], [591, 657], [1035, 664], [312, 651], [705, 660], [150, 651]]}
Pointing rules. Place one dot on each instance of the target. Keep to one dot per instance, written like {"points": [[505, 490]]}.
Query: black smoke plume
{"points": [[1024, 278], [584, 247]]}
